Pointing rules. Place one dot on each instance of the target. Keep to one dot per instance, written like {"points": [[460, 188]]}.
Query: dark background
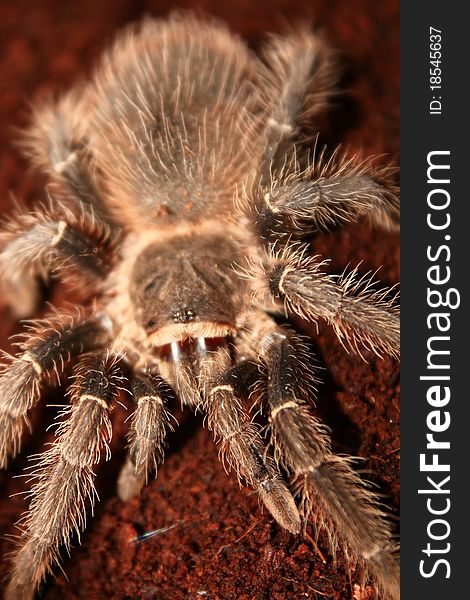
{"points": [[222, 545], [421, 134]]}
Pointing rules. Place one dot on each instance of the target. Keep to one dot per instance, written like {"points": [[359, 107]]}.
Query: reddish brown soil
{"points": [[221, 545]]}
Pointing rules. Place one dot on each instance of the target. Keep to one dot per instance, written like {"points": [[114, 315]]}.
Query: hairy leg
{"points": [[328, 487], [298, 79], [358, 312], [54, 240], [57, 143], [150, 423], [242, 446], [297, 203], [64, 475], [44, 349], [206, 380]]}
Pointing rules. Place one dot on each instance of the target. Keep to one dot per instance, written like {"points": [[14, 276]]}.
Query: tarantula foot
{"points": [[280, 503], [19, 592], [130, 482], [22, 295]]}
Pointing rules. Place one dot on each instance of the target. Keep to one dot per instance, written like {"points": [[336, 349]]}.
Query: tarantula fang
{"points": [[180, 198]]}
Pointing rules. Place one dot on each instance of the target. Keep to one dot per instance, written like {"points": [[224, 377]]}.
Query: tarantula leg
{"points": [[44, 352], [300, 77], [344, 505], [64, 475], [150, 423], [35, 245], [242, 445], [57, 143], [357, 311], [340, 191]]}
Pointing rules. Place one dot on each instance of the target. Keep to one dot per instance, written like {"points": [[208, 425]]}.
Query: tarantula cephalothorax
{"points": [[179, 197]]}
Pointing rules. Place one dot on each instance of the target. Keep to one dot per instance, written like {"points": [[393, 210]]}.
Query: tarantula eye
{"points": [[183, 315]]}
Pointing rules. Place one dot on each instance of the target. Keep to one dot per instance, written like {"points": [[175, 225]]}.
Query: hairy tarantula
{"points": [[180, 198]]}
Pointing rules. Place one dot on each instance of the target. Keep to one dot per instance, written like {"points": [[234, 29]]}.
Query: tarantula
{"points": [[180, 197]]}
